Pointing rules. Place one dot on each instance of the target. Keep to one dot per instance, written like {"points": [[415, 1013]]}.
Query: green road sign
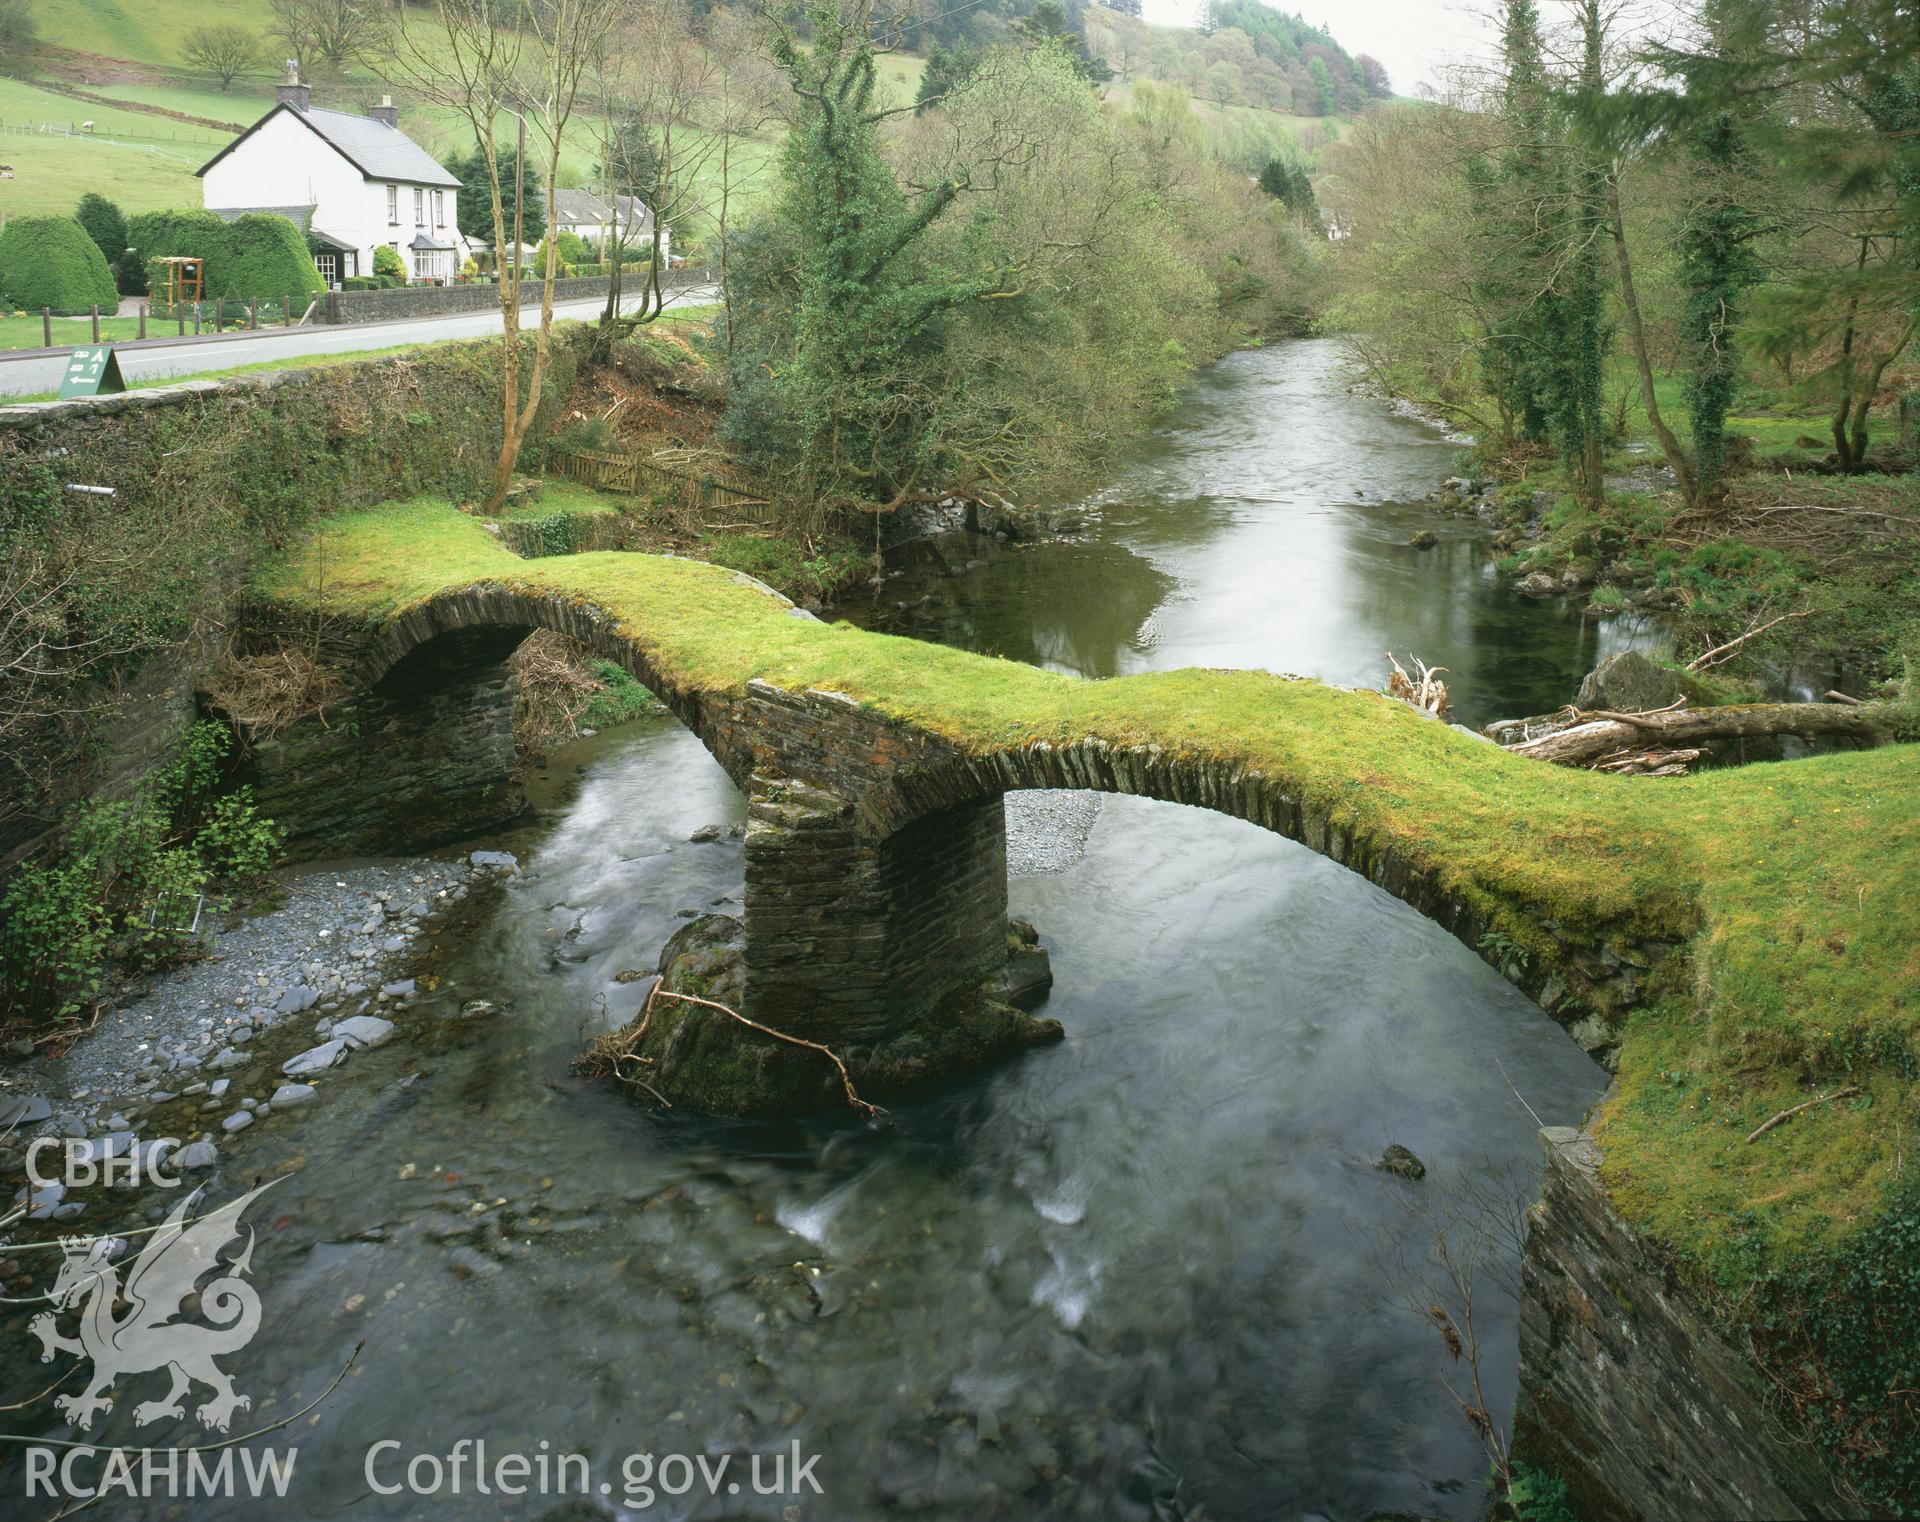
{"points": [[92, 372]]}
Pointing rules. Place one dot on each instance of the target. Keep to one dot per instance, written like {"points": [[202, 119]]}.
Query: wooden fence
{"points": [[716, 501]]}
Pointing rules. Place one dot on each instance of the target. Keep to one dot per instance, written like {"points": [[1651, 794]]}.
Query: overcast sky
{"points": [[1415, 39]]}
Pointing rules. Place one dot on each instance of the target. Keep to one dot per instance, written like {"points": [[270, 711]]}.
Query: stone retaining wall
{"points": [[1627, 1392]]}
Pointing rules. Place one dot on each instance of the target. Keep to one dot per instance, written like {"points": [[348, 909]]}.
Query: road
{"points": [[40, 370]]}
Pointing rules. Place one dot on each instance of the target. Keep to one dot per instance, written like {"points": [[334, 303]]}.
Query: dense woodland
{"points": [[1691, 244]]}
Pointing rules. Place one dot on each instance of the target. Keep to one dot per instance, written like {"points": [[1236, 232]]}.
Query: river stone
{"points": [[1426, 539], [239, 1120], [504, 861], [296, 1000], [315, 1059], [197, 1155], [29, 1111], [227, 1057], [1537, 584], [290, 1096], [1398, 1160], [364, 1030], [114, 1144], [43, 1202], [1628, 683]]}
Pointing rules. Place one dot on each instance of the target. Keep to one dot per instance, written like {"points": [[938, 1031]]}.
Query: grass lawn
{"points": [[26, 332]]}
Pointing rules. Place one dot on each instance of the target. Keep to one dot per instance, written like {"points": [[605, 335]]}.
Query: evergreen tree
{"points": [[946, 71], [473, 202], [104, 224], [1288, 183]]}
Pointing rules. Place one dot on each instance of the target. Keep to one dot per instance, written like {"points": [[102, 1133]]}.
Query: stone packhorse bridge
{"points": [[1735, 941], [875, 769]]}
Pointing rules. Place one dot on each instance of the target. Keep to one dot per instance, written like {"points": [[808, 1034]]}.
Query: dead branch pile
{"points": [[266, 693], [616, 1055], [556, 687], [1427, 693]]}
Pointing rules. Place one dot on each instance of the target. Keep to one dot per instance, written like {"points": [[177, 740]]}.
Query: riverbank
{"points": [[1810, 569], [181, 1062]]}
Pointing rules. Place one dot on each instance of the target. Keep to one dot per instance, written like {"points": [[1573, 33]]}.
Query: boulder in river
{"points": [[1426, 539], [1537, 584], [1628, 682], [1398, 1160]]}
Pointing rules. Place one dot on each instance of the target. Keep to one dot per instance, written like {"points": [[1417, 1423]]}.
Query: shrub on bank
{"points": [[126, 881]]}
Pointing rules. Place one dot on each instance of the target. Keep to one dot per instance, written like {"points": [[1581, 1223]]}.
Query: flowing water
{"points": [[1149, 1272]]}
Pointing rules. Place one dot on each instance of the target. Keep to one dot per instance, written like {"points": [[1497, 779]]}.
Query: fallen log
{"points": [[1594, 735]]}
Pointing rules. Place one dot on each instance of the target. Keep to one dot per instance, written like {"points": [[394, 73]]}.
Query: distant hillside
{"points": [[1246, 54], [110, 101]]}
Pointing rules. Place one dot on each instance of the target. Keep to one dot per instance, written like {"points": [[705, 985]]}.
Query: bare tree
{"points": [[328, 34], [1459, 1256], [223, 51], [681, 94], [473, 58]]}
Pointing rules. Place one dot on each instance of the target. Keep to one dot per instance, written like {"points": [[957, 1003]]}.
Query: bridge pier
{"points": [[851, 939]]}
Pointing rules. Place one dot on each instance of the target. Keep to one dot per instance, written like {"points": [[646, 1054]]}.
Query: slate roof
{"points": [[378, 151], [583, 208], [300, 216]]}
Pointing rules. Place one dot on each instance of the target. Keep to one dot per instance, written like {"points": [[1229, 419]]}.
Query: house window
{"points": [[439, 209], [419, 206], [429, 264], [393, 205]]}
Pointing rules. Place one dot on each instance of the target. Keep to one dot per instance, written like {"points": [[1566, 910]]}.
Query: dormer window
{"points": [[419, 207], [393, 205]]}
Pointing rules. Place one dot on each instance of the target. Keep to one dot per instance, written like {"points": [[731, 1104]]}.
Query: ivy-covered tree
{"points": [[837, 327]]}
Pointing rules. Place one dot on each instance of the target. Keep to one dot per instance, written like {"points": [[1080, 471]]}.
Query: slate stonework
{"points": [[1627, 1392]]}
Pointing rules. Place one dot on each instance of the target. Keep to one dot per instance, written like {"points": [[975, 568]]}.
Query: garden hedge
{"points": [[51, 262]]}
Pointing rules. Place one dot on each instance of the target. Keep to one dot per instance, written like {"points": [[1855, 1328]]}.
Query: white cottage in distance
{"points": [[354, 182]]}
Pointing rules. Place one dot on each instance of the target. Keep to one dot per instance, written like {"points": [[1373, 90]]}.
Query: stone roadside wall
{"points": [[403, 302], [1627, 1392]]}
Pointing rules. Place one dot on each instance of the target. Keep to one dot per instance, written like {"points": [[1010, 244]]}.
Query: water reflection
{"points": [[1266, 525]]}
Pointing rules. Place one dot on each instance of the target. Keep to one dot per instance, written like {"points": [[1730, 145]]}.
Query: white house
{"points": [[592, 216], [353, 181]]}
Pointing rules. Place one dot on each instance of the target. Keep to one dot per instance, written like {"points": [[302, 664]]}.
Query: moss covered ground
{"points": [[1798, 882]]}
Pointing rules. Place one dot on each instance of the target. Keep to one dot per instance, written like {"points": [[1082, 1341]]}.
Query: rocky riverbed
{"points": [[255, 1026], [271, 1011]]}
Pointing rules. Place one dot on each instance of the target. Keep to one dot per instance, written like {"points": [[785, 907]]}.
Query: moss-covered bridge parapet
{"points": [[1792, 891]]}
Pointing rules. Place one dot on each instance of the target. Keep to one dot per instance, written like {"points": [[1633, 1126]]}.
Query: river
{"points": [[1146, 1273]]}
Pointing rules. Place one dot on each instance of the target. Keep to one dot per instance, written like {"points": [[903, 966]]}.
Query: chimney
{"points": [[290, 92], [386, 112]]}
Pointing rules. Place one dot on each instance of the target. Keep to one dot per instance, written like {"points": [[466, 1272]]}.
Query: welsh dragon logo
{"points": [[150, 1334]]}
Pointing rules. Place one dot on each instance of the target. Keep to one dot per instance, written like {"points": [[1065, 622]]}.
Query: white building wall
{"points": [[288, 164]]}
